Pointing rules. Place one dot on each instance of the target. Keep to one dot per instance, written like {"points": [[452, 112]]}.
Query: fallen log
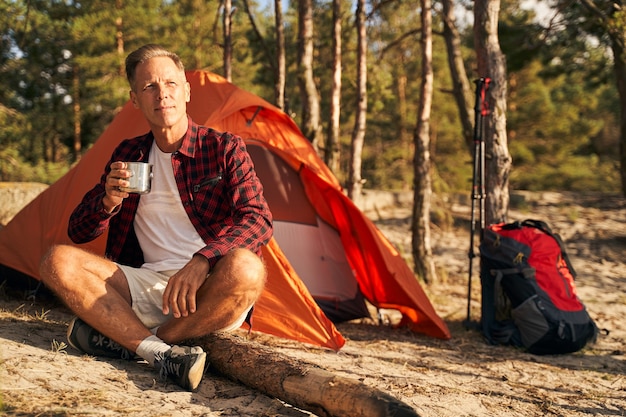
{"points": [[302, 385]]}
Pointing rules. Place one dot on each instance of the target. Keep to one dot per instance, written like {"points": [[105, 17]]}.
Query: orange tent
{"points": [[310, 211]]}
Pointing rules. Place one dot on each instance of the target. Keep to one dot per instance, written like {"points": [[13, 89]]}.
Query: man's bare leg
{"points": [[234, 285], [95, 289]]}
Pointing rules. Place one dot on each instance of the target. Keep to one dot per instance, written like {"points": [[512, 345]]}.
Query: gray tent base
{"points": [[345, 310]]}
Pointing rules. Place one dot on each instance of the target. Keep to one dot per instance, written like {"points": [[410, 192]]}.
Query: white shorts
{"points": [[146, 291]]}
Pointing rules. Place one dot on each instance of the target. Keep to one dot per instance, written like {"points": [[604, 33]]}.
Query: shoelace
{"points": [[166, 366], [169, 368], [101, 340]]}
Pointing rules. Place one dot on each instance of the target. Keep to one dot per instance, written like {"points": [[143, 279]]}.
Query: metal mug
{"points": [[140, 180]]}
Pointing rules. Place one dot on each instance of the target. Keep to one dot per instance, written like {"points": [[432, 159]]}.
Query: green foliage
{"points": [[14, 169], [562, 120], [581, 173], [555, 130], [519, 35]]}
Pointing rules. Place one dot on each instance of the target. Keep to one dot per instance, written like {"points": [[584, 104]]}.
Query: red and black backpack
{"points": [[528, 294]]}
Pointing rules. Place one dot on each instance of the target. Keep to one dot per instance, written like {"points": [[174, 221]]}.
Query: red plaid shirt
{"points": [[218, 187]]}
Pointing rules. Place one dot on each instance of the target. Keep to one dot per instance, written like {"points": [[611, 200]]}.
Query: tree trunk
{"points": [[76, 109], [406, 139], [276, 60], [422, 251], [491, 64], [228, 43], [308, 89], [619, 55], [332, 153], [461, 89], [302, 385], [119, 38], [280, 76], [358, 133]]}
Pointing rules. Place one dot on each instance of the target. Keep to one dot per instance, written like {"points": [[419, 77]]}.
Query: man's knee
{"points": [[55, 258], [60, 264], [247, 268]]}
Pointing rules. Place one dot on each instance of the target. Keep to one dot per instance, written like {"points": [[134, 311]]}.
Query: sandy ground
{"points": [[40, 375]]}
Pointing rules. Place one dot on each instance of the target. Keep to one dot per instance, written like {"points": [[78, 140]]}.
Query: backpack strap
{"points": [[543, 226]]}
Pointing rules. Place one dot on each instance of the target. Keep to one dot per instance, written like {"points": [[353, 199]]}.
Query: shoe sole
{"points": [[70, 330], [196, 372]]}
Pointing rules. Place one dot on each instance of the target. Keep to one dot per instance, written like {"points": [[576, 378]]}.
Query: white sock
{"points": [[150, 346]]}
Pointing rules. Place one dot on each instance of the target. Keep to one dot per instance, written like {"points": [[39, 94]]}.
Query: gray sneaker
{"points": [[85, 338], [184, 365]]}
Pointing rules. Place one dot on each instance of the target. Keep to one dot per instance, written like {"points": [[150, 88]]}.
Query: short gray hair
{"points": [[146, 52]]}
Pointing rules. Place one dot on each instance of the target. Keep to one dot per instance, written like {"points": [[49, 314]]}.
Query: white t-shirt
{"points": [[165, 233]]}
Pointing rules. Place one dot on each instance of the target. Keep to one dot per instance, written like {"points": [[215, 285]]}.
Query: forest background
{"points": [[61, 71]]}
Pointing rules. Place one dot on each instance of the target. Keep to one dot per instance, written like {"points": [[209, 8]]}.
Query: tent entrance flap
{"points": [[313, 248], [317, 255]]}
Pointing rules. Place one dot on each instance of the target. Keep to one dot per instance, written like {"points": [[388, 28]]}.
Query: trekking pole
{"points": [[481, 109]]}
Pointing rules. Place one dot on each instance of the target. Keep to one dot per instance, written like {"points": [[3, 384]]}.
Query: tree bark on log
{"points": [[300, 384]]}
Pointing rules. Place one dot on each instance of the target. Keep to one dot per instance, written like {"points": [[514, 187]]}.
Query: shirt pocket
{"points": [[208, 196], [207, 183]]}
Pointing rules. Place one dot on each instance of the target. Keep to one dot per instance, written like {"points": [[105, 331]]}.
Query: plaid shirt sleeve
{"points": [[89, 219], [226, 204]]}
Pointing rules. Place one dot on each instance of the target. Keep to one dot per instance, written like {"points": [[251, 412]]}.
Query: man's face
{"points": [[161, 92]]}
